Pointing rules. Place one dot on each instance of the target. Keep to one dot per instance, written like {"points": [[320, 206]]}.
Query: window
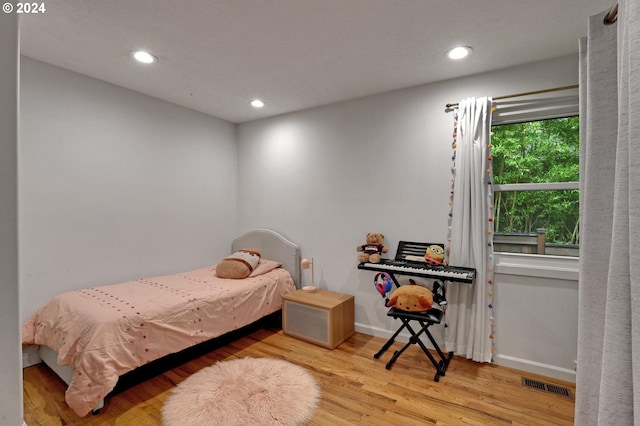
{"points": [[536, 180]]}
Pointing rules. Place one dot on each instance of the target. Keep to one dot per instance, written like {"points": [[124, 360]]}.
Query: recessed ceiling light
{"points": [[257, 103], [144, 57], [459, 52]]}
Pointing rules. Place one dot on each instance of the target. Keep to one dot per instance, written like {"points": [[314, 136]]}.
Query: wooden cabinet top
{"points": [[319, 298]]}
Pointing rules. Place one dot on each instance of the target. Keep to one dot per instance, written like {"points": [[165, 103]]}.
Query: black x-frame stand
{"points": [[426, 320]]}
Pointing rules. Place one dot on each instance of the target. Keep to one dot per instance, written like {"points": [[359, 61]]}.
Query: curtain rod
{"points": [[535, 92], [612, 16]]}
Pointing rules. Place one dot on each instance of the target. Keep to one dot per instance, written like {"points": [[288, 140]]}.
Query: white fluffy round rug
{"points": [[245, 391]]}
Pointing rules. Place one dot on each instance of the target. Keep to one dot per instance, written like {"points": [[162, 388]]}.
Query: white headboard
{"points": [[272, 246]]}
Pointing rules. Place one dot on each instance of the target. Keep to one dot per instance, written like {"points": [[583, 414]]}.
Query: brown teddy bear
{"points": [[372, 250], [411, 297]]}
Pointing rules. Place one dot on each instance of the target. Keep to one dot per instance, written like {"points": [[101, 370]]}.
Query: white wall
{"points": [[537, 314], [115, 185], [327, 176], [10, 372]]}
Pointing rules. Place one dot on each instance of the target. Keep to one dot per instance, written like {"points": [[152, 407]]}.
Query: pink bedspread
{"points": [[104, 332]]}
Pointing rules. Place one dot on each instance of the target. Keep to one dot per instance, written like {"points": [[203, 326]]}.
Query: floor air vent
{"points": [[547, 387]]}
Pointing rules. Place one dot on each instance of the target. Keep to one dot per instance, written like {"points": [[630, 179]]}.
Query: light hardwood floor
{"points": [[356, 389]]}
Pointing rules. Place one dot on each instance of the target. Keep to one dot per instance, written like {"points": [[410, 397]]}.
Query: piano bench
{"points": [[426, 320]]}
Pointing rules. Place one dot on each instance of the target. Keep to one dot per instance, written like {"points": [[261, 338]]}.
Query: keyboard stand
{"points": [[426, 320], [400, 266]]}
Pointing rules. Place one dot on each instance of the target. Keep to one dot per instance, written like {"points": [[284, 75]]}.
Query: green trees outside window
{"points": [[537, 153]]}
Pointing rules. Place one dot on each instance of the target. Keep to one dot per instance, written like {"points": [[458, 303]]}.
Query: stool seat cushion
{"points": [[433, 315]]}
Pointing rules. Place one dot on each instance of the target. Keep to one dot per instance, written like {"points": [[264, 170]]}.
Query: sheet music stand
{"points": [[426, 320]]}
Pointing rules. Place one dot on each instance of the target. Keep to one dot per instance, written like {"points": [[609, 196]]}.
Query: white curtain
{"points": [[608, 373], [469, 314]]}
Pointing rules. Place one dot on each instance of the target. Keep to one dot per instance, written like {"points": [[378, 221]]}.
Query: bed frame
{"points": [[272, 246]]}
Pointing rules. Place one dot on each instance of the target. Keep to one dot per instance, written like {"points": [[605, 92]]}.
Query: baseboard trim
{"points": [[536, 367], [380, 332], [525, 365], [386, 334]]}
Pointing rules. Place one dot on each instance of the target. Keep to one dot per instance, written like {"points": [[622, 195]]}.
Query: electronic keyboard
{"points": [[422, 269], [404, 264]]}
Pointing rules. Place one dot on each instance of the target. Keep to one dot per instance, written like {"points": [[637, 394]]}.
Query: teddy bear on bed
{"points": [[372, 250], [238, 265], [412, 298]]}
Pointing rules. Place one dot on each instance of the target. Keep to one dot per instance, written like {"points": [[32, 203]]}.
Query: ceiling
{"points": [[215, 56]]}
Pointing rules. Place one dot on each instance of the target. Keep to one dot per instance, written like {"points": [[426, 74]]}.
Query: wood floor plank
{"points": [[356, 388]]}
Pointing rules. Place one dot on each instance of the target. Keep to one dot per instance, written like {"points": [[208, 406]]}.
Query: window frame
{"points": [[538, 186], [536, 108]]}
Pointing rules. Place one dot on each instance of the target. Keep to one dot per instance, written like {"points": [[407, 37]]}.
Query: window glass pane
{"points": [[527, 211], [536, 151], [536, 221]]}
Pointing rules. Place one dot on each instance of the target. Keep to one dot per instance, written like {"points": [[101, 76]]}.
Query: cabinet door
{"points": [[306, 322]]}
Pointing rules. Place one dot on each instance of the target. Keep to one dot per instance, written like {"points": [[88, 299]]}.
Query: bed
{"points": [[91, 337]]}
